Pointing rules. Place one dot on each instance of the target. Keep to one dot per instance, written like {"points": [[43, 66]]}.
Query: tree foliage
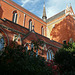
{"points": [[14, 60], [65, 59]]}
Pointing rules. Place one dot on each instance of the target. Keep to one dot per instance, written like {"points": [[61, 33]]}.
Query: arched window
{"points": [[26, 48], [50, 55], [32, 45], [36, 52], [42, 30], [71, 40], [14, 17], [1, 42], [30, 25]]}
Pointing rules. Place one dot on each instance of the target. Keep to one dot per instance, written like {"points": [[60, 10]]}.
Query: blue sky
{"points": [[52, 6]]}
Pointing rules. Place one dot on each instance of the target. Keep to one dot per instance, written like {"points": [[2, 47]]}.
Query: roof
{"points": [[56, 16], [9, 25], [5, 23]]}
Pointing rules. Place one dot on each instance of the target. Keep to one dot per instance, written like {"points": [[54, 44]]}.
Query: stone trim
{"points": [[24, 12], [56, 42], [16, 37], [6, 35], [25, 36], [52, 45]]}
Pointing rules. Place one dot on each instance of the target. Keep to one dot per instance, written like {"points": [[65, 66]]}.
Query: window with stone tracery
{"points": [[42, 30], [30, 25], [50, 55], [14, 17], [1, 41]]}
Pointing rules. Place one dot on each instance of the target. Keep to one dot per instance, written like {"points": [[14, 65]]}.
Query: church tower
{"points": [[44, 17]]}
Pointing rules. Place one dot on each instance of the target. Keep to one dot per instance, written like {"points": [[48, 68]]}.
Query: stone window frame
{"points": [[42, 30], [30, 25], [1, 36], [50, 54], [16, 37], [15, 16]]}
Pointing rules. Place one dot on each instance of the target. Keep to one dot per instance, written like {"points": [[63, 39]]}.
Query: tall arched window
{"points": [[14, 17], [42, 30], [1, 42], [30, 25], [50, 55]]}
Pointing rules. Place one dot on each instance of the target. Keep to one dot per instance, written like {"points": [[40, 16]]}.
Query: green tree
{"points": [[14, 60], [65, 58]]}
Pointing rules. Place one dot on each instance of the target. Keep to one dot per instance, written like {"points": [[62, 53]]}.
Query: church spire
{"points": [[44, 17]]}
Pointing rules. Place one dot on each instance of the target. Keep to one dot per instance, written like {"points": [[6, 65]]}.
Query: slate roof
{"points": [[56, 16]]}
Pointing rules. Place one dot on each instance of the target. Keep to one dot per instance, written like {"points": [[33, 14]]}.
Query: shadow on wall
{"points": [[64, 30], [1, 12]]}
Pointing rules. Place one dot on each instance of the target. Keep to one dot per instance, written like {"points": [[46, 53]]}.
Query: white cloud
{"points": [[28, 1], [24, 2], [51, 11], [52, 6], [55, 6]]}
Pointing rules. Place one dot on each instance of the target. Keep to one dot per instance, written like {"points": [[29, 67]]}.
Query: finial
{"points": [[44, 3], [67, 6], [70, 4]]}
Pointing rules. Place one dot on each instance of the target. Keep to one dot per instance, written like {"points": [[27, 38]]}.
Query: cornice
{"points": [[24, 12]]}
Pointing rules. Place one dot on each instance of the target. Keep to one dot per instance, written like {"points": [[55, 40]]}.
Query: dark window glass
{"points": [[14, 17], [30, 25]]}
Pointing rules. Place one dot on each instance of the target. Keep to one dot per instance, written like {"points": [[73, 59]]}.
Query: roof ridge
{"points": [[26, 36], [56, 14]]}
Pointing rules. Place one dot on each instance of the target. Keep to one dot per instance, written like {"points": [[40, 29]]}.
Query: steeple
{"points": [[44, 17]]}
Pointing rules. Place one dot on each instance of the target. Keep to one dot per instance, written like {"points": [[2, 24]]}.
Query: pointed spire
{"points": [[44, 13]]}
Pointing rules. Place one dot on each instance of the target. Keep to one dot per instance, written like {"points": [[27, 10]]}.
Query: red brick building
{"points": [[17, 23], [65, 30]]}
